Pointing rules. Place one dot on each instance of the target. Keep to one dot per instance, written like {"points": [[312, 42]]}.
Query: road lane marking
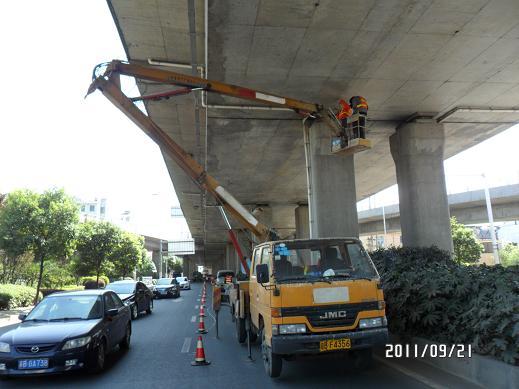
{"points": [[186, 346], [196, 307], [197, 299], [193, 318]]}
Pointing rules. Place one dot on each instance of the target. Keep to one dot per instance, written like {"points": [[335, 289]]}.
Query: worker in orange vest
{"points": [[344, 113], [359, 105]]}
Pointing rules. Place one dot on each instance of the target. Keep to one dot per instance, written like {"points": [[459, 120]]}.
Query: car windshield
{"points": [[67, 308], [165, 281], [122, 288], [182, 279], [311, 260]]}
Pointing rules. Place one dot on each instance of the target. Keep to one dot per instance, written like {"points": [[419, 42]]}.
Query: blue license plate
{"points": [[33, 364]]}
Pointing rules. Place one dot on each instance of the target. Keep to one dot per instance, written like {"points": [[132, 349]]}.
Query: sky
{"points": [[50, 136]]}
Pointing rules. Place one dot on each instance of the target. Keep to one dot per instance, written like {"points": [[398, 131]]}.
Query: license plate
{"points": [[33, 364], [163, 292], [335, 344]]}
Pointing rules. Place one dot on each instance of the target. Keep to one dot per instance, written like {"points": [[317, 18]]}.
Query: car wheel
{"points": [[150, 307], [272, 362], [98, 363], [134, 311], [125, 343]]}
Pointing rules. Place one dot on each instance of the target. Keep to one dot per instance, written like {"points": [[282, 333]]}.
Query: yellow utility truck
{"points": [[311, 296]]}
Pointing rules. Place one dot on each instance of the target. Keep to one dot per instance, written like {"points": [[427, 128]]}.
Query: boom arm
{"points": [[112, 92]]}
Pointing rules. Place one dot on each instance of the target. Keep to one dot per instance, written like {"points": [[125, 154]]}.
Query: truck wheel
{"points": [[241, 334], [272, 362], [363, 359]]}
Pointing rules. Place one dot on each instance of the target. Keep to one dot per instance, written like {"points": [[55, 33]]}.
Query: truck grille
{"points": [[328, 316]]}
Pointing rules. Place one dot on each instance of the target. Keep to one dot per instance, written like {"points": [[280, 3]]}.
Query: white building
{"points": [[93, 210]]}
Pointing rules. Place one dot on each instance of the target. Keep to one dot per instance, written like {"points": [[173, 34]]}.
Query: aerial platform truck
{"points": [[303, 296]]}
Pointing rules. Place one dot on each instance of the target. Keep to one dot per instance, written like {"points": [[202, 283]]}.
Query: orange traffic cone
{"points": [[202, 311], [200, 354], [201, 326]]}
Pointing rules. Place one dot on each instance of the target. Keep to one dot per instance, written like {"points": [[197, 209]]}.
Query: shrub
{"points": [[13, 296], [91, 281], [429, 295]]}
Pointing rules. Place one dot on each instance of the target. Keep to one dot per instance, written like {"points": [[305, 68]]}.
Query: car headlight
{"points": [[285, 329], [4, 347], [373, 322], [77, 342]]}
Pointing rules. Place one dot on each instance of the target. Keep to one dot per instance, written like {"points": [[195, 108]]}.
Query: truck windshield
{"points": [[314, 260]]}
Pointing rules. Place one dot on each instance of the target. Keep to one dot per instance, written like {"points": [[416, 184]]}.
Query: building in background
{"points": [[93, 210]]}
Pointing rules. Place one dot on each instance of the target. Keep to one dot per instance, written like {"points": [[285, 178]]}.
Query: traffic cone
{"points": [[201, 326], [202, 311], [200, 354]]}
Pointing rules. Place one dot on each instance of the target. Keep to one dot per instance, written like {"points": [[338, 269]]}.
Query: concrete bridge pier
{"points": [[417, 149], [332, 195], [302, 225]]}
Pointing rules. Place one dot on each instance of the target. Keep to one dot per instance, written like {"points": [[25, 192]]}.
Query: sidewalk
{"points": [[11, 317]]}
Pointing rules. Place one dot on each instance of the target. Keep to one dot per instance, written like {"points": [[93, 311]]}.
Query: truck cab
{"points": [[313, 296]]}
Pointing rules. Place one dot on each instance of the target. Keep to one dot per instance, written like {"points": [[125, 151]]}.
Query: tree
{"points": [[146, 267], [509, 255], [466, 247], [42, 224], [96, 243], [127, 256]]}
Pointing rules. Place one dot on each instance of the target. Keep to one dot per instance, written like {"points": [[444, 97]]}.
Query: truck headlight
{"points": [[373, 322], [4, 347], [285, 329], [75, 343]]}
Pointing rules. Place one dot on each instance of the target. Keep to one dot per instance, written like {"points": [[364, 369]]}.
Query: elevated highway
{"points": [[440, 76], [467, 207]]}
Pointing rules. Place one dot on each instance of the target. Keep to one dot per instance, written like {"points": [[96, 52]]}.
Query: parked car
{"points": [[167, 287], [66, 331], [184, 283], [135, 294]]}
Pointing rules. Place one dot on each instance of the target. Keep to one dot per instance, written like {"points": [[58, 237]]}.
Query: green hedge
{"points": [[14, 296], [429, 295], [103, 280]]}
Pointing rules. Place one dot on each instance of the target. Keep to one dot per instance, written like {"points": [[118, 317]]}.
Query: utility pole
{"points": [[384, 220], [491, 221]]}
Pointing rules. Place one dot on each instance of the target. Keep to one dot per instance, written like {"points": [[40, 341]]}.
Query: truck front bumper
{"points": [[309, 344]]}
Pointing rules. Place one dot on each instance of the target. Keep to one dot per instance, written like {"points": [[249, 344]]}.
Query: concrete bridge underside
{"points": [[405, 56]]}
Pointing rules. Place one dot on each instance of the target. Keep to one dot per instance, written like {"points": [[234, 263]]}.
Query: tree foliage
{"points": [[43, 224], [467, 249], [127, 255], [96, 243], [509, 255], [146, 267]]}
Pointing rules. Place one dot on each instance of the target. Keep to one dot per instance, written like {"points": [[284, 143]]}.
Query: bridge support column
{"points": [[417, 149], [302, 222], [332, 197]]}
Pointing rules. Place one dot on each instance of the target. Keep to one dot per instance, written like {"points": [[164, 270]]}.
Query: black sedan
{"points": [[66, 331], [134, 294], [167, 287]]}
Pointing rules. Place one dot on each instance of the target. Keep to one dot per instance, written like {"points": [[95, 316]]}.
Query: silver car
{"points": [[184, 283]]}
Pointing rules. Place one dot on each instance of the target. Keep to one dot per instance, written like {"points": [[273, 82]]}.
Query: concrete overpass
{"points": [[467, 207], [440, 76]]}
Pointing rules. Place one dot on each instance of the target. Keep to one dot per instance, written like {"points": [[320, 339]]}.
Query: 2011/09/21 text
{"points": [[428, 351]]}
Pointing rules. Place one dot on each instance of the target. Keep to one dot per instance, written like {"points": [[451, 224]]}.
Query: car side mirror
{"points": [[262, 273], [112, 312], [22, 316]]}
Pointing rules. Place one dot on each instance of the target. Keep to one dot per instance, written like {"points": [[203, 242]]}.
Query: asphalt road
{"points": [[163, 345]]}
